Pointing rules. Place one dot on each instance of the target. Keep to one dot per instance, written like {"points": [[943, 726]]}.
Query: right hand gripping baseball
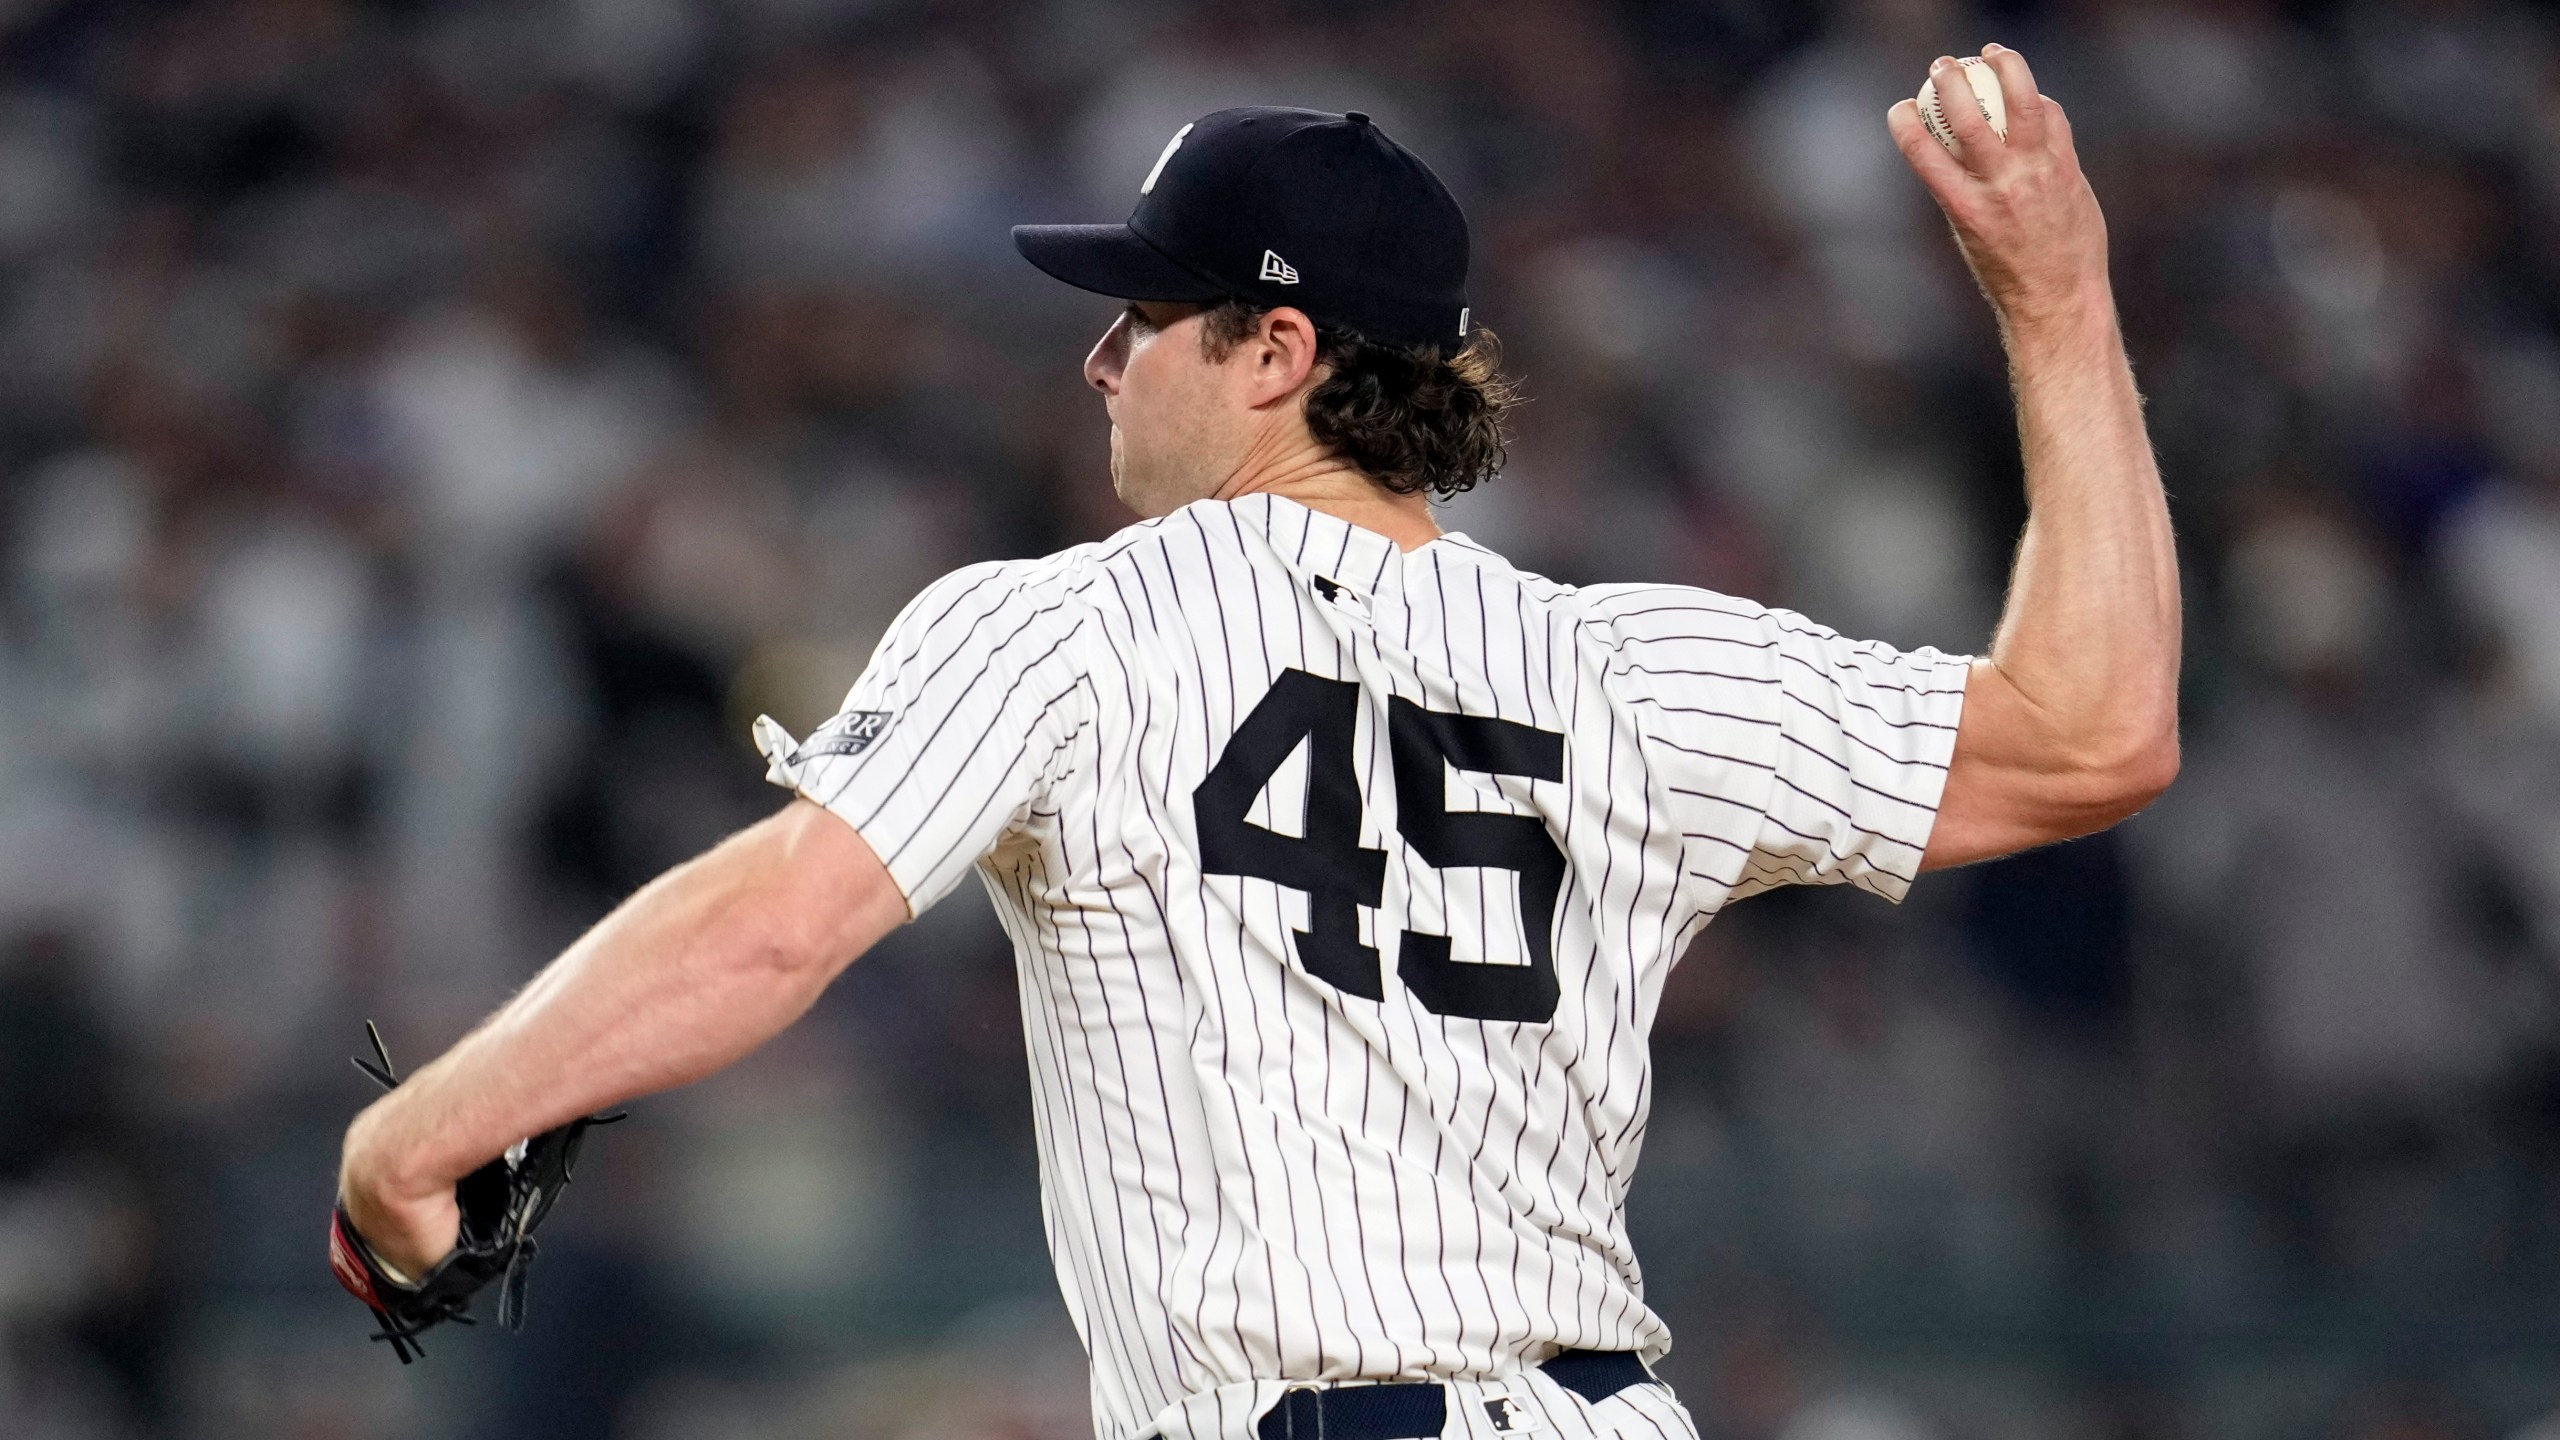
{"points": [[2023, 212]]}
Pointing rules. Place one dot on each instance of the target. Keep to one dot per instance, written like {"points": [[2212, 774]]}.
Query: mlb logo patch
{"points": [[1509, 1416], [850, 733], [1339, 596]]}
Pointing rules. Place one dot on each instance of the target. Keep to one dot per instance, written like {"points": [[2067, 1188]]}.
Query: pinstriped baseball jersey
{"points": [[1344, 881]]}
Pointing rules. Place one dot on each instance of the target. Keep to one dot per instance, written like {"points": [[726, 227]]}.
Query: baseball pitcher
{"points": [[1344, 860]]}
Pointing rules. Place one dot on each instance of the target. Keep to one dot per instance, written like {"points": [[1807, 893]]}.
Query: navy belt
{"points": [[1419, 1409]]}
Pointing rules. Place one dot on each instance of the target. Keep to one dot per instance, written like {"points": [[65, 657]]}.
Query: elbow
{"points": [[2151, 774], [2125, 777], [773, 949], [762, 939]]}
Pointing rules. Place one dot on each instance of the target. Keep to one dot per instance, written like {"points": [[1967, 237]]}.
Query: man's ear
{"points": [[1281, 354]]}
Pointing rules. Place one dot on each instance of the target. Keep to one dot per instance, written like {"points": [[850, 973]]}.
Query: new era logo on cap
{"points": [[1275, 268]]}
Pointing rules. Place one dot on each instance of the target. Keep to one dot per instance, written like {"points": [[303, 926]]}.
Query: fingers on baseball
{"points": [[1977, 145], [2018, 91], [1936, 168]]}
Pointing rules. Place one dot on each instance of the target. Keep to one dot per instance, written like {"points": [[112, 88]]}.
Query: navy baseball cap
{"points": [[1277, 206]]}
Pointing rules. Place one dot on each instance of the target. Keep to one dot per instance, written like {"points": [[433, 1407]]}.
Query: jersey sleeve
{"points": [[1782, 753], [1865, 733], [966, 715]]}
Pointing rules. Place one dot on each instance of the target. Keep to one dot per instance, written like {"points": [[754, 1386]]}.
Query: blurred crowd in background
{"points": [[431, 431]]}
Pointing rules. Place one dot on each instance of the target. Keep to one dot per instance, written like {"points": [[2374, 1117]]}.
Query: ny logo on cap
{"points": [[1170, 146], [1275, 268]]}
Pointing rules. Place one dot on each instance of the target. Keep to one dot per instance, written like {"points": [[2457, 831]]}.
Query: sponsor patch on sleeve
{"points": [[850, 733]]}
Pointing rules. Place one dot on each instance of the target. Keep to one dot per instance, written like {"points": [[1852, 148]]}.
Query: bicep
{"points": [[704, 964], [2017, 781], [823, 886], [797, 896]]}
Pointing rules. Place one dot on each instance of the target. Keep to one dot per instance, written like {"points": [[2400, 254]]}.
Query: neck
{"points": [[1324, 482]]}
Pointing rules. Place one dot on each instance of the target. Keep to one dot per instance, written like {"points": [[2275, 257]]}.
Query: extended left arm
{"points": [[703, 965]]}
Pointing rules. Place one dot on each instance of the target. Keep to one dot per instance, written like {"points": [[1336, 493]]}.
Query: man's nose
{"points": [[1102, 367]]}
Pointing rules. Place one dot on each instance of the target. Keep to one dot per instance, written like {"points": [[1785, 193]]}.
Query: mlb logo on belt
{"points": [[1510, 1417]]}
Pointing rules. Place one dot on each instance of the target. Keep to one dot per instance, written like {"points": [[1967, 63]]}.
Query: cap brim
{"points": [[1110, 260]]}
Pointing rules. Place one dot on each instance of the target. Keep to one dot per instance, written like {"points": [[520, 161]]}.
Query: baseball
{"points": [[1986, 95]]}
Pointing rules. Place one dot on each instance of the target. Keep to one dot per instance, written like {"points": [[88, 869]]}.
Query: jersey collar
{"points": [[1315, 543]]}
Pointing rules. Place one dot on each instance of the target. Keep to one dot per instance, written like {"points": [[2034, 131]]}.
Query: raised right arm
{"points": [[2071, 723]]}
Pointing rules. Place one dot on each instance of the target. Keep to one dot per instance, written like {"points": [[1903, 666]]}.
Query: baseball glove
{"points": [[501, 1202]]}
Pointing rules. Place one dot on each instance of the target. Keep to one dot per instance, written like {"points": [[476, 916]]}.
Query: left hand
{"points": [[411, 1225]]}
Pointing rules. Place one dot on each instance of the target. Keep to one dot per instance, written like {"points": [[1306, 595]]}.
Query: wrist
{"points": [[375, 1161], [2066, 314]]}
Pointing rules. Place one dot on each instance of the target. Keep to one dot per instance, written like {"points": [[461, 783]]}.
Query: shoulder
{"points": [[1077, 567], [1601, 605], [1625, 613], [1124, 572], [1055, 595], [1060, 576], [1638, 614], [998, 604]]}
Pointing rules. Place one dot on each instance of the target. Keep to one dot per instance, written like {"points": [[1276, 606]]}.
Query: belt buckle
{"points": [[1289, 1412]]}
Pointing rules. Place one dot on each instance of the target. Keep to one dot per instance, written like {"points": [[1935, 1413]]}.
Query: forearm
{"points": [[2091, 631], [701, 966]]}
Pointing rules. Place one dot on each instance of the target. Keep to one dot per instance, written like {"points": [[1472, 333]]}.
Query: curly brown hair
{"points": [[1410, 417]]}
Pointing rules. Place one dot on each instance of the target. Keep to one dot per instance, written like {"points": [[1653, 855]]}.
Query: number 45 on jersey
{"points": [[1338, 876]]}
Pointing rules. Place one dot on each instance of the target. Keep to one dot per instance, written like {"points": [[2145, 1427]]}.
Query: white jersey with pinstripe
{"points": [[1343, 882]]}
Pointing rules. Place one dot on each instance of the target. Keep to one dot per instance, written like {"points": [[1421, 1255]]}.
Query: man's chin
{"points": [[1120, 483]]}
